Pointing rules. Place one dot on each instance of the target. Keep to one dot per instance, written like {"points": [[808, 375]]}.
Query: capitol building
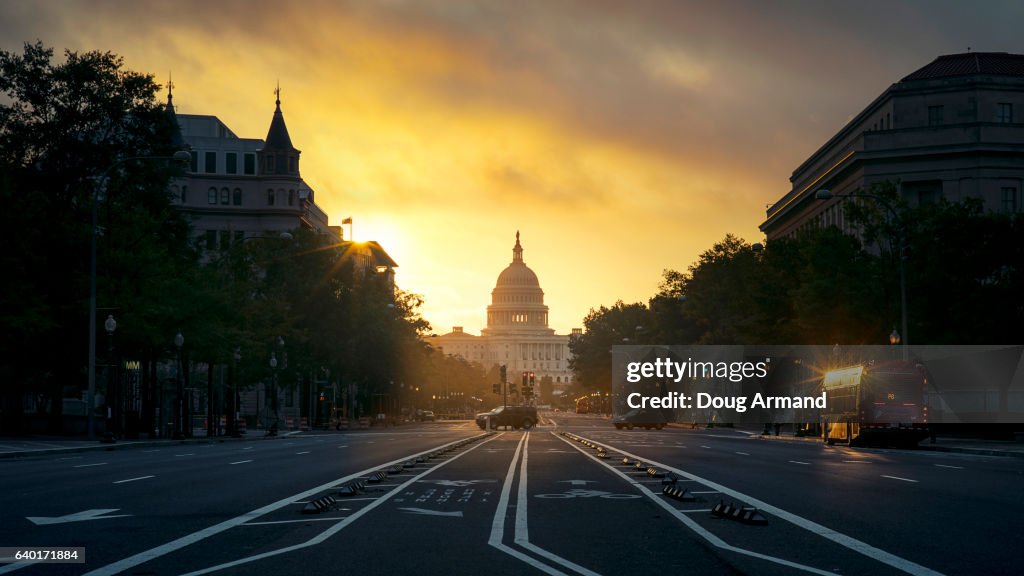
{"points": [[517, 333]]}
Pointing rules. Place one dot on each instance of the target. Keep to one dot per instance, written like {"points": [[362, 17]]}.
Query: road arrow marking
{"points": [[425, 512], [77, 517]]}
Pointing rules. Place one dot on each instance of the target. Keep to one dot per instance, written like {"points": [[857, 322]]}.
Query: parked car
{"points": [[515, 416], [639, 418]]}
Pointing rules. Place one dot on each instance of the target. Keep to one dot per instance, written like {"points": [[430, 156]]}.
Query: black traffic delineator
{"points": [[394, 470], [738, 513], [351, 489], [654, 473], [626, 461], [678, 494], [376, 477], [319, 505], [640, 465], [669, 479], [408, 464], [602, 454]]}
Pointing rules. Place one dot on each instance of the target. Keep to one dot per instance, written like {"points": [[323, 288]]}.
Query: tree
{"points": [[65, 124]]}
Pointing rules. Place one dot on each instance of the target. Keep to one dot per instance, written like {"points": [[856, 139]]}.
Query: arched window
{"points": [[211, 195], [225, 196], [237, 197], [270, 196]]}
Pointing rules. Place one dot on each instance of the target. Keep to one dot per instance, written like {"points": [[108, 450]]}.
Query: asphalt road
{"points": [[457, 500]]}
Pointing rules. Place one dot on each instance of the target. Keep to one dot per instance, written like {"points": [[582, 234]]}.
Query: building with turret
{"points": [[517, 334]]}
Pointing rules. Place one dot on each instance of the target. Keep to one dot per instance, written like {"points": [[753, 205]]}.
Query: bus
{"points": [[878, 403]]}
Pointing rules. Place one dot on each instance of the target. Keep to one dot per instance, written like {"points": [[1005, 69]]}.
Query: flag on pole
{"points": [[347, 220]]}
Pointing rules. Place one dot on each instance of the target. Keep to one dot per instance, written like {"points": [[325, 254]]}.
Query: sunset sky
{"points": [[620, 138]]}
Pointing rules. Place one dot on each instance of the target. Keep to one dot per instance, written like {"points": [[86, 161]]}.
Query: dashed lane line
{"points": [[134, 479], [898, 478]]}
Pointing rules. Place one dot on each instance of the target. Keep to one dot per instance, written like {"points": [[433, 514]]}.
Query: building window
{"points": [[236, 197], [250, 164], [936, 115], [231, 163], [211, 163], [1004, 113], [1009, 200], [270, 197], [195, 162], [225, 196], [211, 196]]}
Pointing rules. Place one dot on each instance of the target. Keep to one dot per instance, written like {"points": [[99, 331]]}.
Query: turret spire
{"points": [[517, 252]]}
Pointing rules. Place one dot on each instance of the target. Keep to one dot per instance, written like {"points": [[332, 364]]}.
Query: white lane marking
{"points": [[326, 534], [89, 465], [239, 462], [809, 525], [898, 478], [247, 448], [948, 466], [799, 462], [306, 452], [498, 523], [134, 479], [148, 451], [703, 446], [522, 536], [98, 514], [743, 454], [428, 512], [343, 446], [697, 510], [336, 518], [189, 454]]}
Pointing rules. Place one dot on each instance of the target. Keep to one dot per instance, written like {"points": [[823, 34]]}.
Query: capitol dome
{"points": [[517, 301]]}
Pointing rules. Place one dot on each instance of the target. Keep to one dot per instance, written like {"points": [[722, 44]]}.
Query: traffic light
{"points": [[533, 379], [525, 378], [504, 373]]}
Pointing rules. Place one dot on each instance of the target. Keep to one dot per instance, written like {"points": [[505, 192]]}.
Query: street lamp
{"points": [[179, 156], [232, 402], [824, 194], [113, 399], [272, 431], [179, 341]]}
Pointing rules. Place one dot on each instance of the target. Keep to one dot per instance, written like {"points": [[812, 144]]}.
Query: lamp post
{"points": [[272, 431], [233, 395], [899, 239], [179, 156], [113, 396], [179, 341]]}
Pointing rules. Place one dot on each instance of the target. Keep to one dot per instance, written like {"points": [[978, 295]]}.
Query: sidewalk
{"points": [[977, 446], [43, 445]]}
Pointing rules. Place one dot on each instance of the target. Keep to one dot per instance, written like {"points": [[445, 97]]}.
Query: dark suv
{"points": [[514, 416]]}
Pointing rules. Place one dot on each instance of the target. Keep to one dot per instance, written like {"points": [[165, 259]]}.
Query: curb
{"points": [[128, 445]]}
